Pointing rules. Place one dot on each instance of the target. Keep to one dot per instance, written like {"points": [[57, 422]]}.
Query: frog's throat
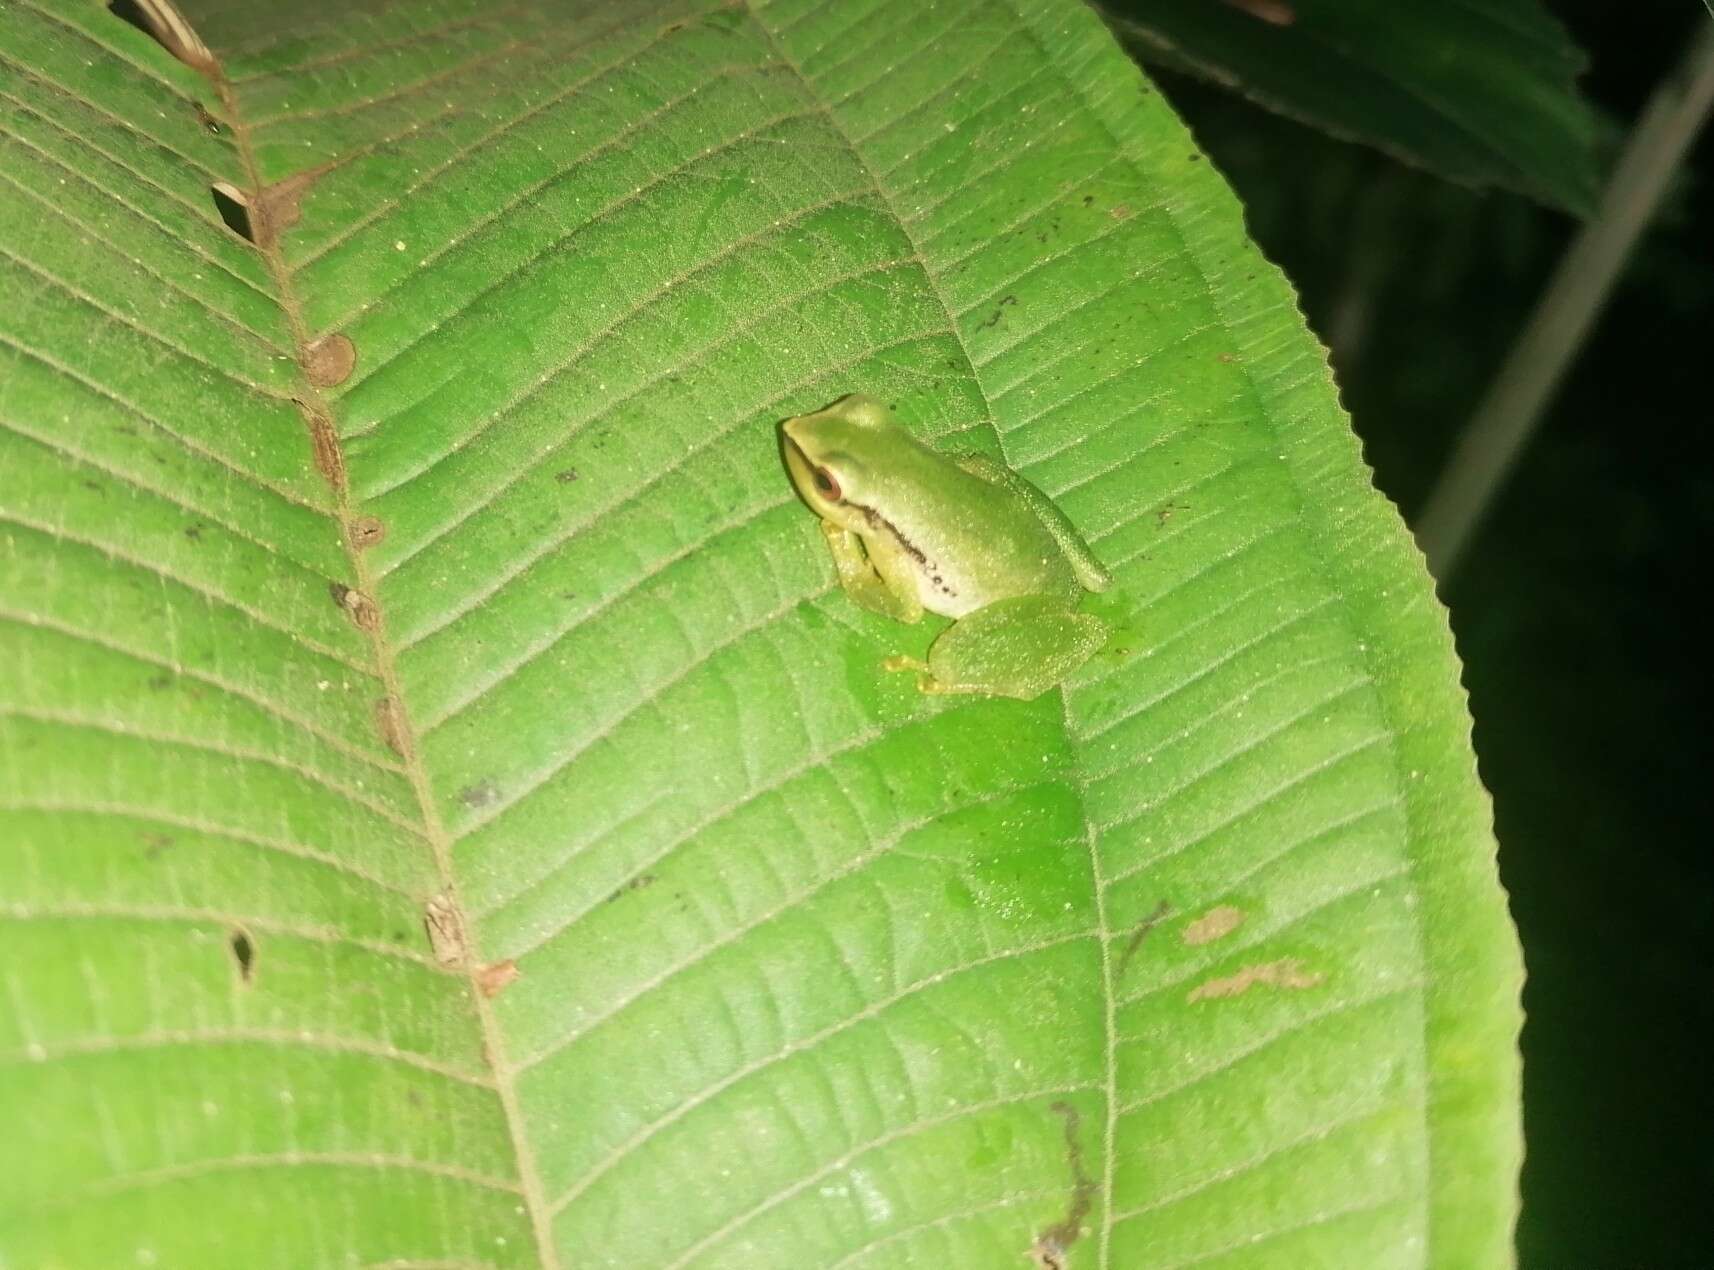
{"points": [[881, 522]]}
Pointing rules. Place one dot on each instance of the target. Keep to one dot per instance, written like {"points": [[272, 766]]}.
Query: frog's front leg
{"points": [[863, 578], [1018, 647]]}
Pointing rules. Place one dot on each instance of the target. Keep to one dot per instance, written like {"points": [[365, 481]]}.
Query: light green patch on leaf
{"points": [[321, 702]]}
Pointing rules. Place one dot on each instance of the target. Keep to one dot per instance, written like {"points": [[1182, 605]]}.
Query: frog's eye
{"points": [[827, 485]]}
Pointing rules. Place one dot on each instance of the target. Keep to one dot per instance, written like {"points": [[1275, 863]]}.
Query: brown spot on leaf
{"points": [[366, 531], [445, 927], [364, 615], [566, 475], [277, 207], [329, 360], [390, 723], [1216, 923], [1119, 211], [204, 118], [1288, 972], [324, 445], [493, 978]]}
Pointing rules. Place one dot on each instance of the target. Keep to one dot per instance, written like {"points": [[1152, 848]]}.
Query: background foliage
{"points": [[1574, 611]]}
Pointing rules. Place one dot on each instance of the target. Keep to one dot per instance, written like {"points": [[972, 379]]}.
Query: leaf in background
{"points": [[1479, 91], [450, 819]]}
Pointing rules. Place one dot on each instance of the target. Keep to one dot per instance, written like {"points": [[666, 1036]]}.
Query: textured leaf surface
{"points": [[1481, 91], [447, 816]]}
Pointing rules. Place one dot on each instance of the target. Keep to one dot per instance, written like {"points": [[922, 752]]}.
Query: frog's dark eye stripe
{"points": [[827, 485]]}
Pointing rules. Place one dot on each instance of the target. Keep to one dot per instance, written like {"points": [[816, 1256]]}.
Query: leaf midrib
{"points": [[433, 829]]}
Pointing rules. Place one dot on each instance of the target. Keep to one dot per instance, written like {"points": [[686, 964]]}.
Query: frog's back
{"points": [[963, 563]]}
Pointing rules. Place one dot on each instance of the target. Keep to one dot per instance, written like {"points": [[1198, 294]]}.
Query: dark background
{"points": [[1576, 610]]}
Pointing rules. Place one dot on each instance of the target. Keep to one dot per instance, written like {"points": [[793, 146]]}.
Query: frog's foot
{"points": [[926, 682]]}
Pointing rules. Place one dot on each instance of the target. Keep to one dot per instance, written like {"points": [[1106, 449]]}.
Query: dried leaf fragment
{"points": [[445, 926]]}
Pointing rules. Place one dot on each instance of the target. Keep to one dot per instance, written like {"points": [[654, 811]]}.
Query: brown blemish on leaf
{"points": [[329, 360], [1162, 911], [244, 953], [445, 926], [1216, 923], [358, 607], [277, 207], [1288, 972], [1049, 1250], [1119, 211], [366, 531], [492, 979], [324, 445], [204, 118], [390, 723]]}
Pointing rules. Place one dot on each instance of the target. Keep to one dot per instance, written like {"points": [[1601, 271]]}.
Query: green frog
{"points": [[913, 530]]}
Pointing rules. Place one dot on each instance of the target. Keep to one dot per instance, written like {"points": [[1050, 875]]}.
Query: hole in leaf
{"points": [[234, 209], [164, 24], [129, 11], [244, 953]]}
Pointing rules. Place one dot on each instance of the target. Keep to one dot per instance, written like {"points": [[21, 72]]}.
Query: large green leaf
{"points": [[1481, 91], [516, 627]]}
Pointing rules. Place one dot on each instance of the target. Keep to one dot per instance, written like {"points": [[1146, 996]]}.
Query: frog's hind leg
{"points": [[1019, 647]]}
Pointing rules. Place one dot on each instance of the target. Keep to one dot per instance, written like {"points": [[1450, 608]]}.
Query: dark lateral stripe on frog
{"points": [[916, 553]]}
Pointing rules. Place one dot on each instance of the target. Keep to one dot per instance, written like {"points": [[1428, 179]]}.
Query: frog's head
{"points": [[837, 455]]}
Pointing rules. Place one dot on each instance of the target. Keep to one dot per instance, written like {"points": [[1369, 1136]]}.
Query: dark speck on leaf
{"points": [[567, 476], [244, 953], [481, 794], [194, 532]]}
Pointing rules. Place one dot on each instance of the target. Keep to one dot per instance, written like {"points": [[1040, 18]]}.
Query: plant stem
{"points": [[1510, 412]]}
